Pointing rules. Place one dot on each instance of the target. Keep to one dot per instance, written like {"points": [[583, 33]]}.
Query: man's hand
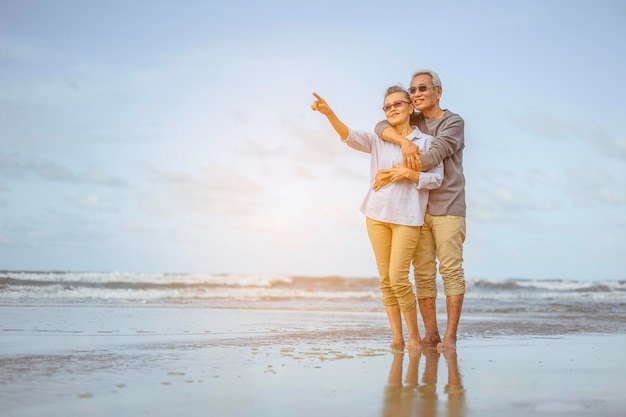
{"points": [[410, 155]]}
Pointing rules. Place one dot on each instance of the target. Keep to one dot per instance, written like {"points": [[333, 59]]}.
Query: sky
{"points": [[163, 136]]}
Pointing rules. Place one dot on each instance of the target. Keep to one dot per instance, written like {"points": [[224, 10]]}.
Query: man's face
{"points": [[424, 95]]}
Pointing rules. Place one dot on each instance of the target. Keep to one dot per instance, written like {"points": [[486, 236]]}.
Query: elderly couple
{"points": [[415, 207]]}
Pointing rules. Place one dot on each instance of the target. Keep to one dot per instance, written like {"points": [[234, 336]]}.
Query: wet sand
{"points": [[157, 361]]}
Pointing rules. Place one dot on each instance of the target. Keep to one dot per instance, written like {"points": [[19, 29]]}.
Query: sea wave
{"points": [[552, 285], [189, 287]]}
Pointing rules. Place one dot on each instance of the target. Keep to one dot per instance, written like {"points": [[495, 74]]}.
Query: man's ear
{"points": [[439, 92]]}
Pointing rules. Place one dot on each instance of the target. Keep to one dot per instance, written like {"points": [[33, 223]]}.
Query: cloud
{"points": [[504, 196], [257, 150], [339, 215], [547, 124], [14, 49], [11, 166], [497, 206], [611, 146], [48, 170], [347, 172], [304, 172], [561, 128], [100, 176], [52, 228], [14, 166], [216, 189], [95, 202], [317, 152], [317, 146], [595, 186]]}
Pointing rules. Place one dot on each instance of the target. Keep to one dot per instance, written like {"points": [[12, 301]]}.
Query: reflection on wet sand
{"points": [[410, 398]]}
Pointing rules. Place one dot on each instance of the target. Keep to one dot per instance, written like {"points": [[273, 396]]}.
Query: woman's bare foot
{"points": [[397, 346], [415, 344], [448, 343]]}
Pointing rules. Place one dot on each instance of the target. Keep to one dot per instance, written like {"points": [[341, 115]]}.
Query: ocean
{"points": [[129, 344], [526, 306]]}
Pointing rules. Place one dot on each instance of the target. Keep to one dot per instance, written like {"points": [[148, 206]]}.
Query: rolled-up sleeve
{"points": [[431, 179]]}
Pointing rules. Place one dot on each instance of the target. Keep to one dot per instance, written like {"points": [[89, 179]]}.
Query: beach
{"points": [[103, 357]]}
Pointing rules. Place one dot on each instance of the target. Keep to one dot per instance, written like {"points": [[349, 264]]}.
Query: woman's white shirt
{"points": [[401, 202]]}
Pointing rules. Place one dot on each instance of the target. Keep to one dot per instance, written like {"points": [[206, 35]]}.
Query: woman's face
{"points": [[397, 108]]}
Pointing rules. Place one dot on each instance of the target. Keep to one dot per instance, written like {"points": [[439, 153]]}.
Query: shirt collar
{"points": [[415, 134]]}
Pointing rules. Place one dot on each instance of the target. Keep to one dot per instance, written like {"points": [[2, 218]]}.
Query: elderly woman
{"points": [[394, 214]]}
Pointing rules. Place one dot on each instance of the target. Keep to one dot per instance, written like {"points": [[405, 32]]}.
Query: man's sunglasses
{"points": [[420, 88]]}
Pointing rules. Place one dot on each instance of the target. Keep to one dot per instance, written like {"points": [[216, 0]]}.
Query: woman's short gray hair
{"points": [[398, 89]]}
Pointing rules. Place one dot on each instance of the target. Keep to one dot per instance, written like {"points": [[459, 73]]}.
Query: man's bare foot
{"points": [[431, 340], [448, 343]]}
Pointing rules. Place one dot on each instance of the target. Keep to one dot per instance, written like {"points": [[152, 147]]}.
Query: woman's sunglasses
{"points": [[395, 105]]}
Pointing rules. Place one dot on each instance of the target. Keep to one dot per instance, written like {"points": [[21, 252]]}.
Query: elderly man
{"points": [[443, 233]]}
